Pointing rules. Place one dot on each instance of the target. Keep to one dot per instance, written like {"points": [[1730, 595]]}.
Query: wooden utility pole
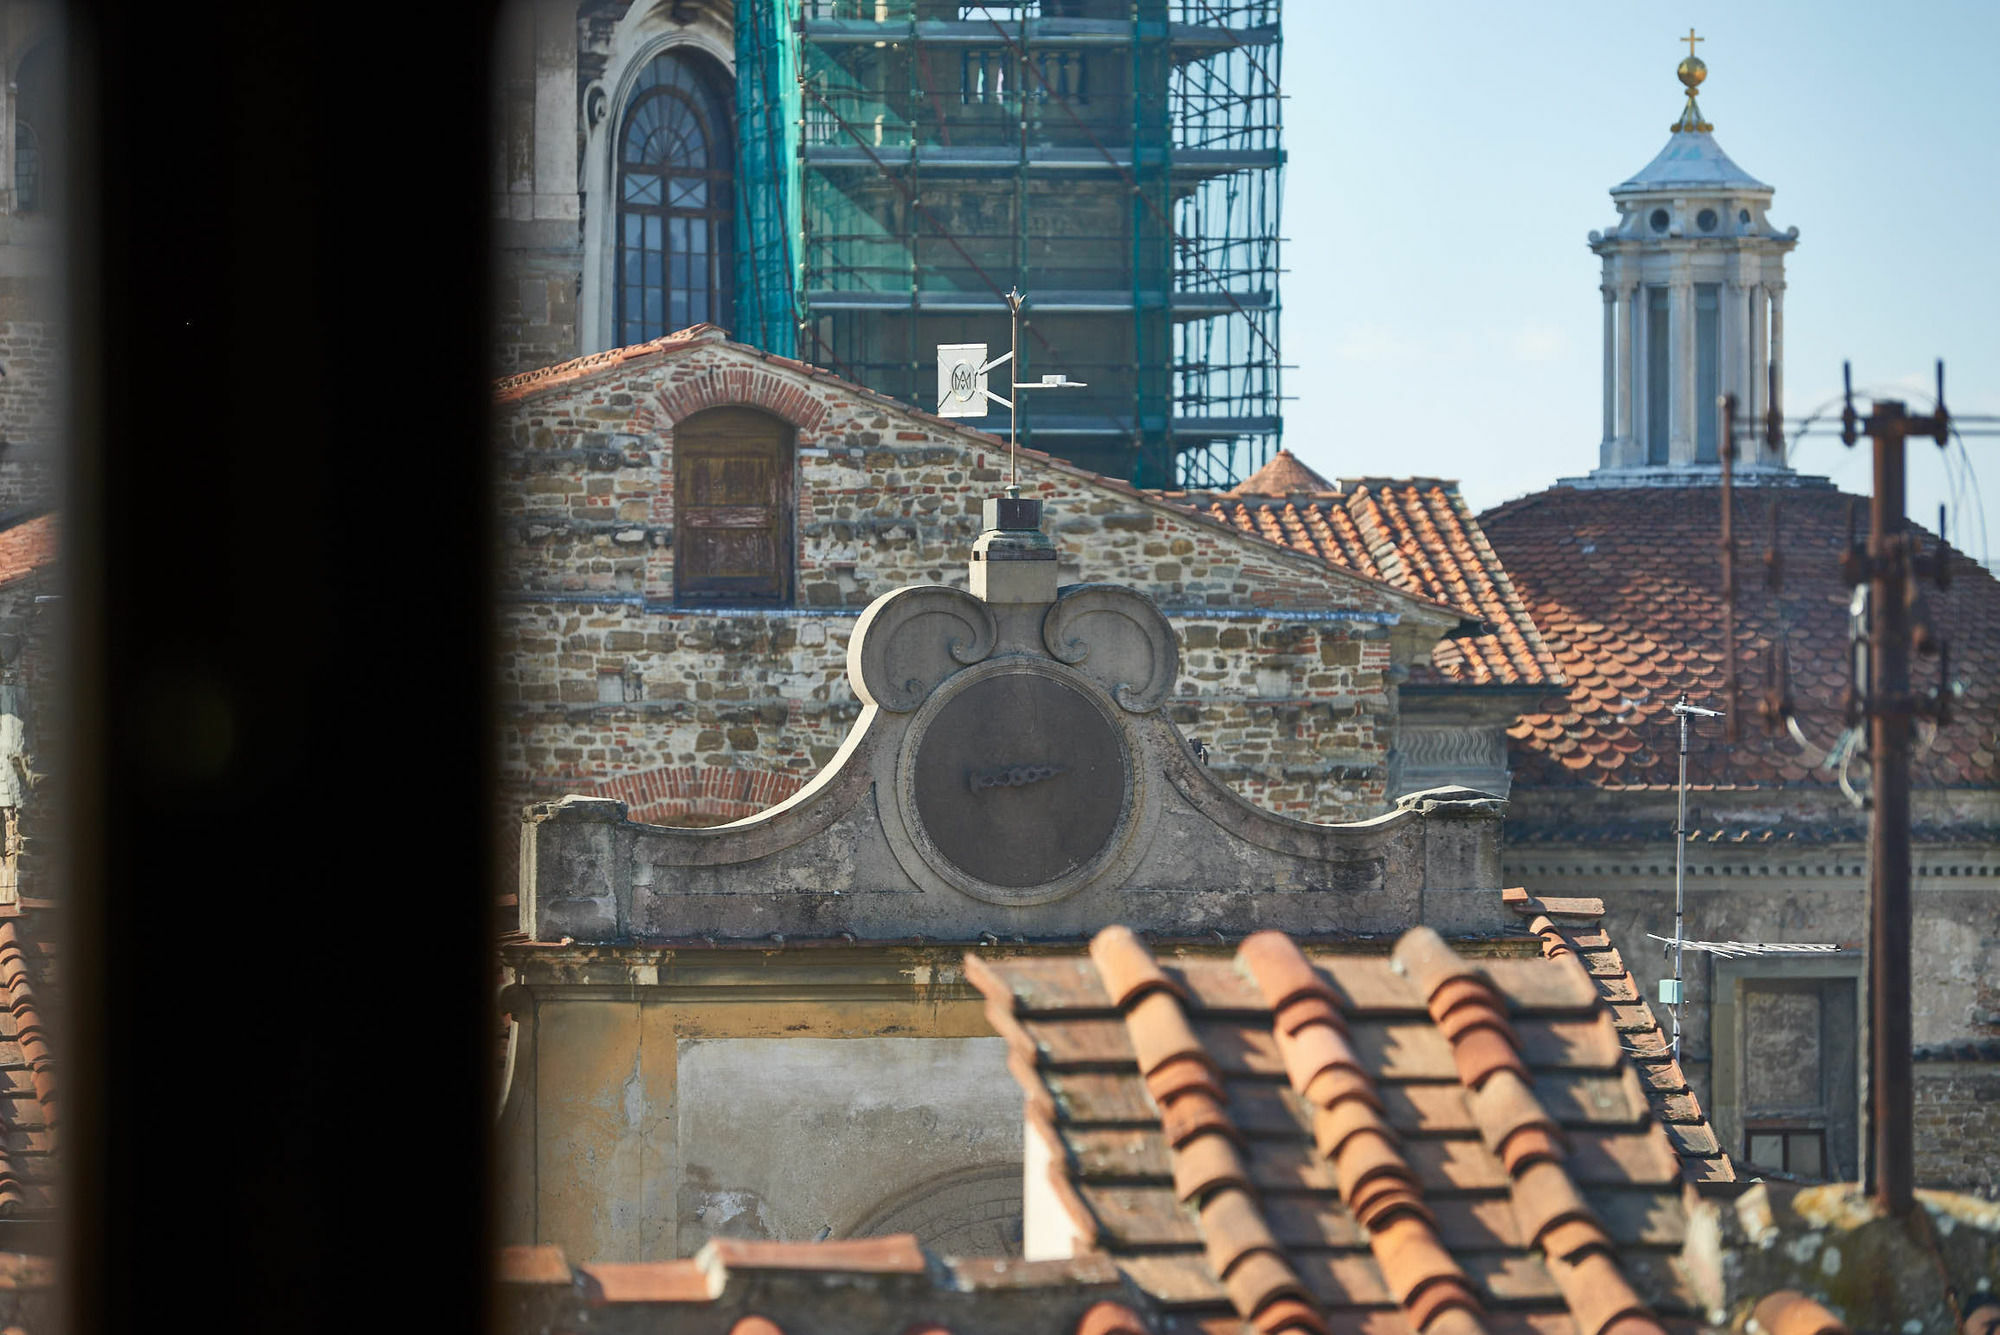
{"points": [[1889, 565]]}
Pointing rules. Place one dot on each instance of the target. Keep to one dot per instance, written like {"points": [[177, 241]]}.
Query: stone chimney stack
{"points": [[1013, 561]]}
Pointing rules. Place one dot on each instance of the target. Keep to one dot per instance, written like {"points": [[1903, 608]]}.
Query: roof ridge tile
{"points": [[1664, 1078], [1208, 1173], [1552, 1212], [17, 998], [1378, 1185], [889, 1254], [1110, 1318]]}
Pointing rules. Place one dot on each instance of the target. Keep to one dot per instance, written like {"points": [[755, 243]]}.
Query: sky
{"points": [[1447, 161]]}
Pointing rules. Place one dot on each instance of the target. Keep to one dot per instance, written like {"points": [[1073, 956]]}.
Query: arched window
{"points": [[37, 128], [27, 169], [676, 166], [732, 508]]}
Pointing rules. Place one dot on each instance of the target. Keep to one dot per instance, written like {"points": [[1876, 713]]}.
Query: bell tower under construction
{"points": [[904, 163]]}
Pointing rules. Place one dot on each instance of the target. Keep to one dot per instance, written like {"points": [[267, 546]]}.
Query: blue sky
{"points": [[1448, 159]]}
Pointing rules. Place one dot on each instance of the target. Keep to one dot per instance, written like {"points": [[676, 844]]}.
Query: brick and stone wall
{"points": [[1957, 1123], [1288, 667], [30, 413], [31, 400], [695, 718]]}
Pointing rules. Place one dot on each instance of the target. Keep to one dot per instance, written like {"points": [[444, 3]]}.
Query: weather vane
{"points": [[962, 391]]}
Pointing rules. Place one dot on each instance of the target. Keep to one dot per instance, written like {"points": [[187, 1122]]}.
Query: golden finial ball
{"points": [[1692, 72]]}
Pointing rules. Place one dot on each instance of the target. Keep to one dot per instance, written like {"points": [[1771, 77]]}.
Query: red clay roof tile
{"points": [[1281, 973], [33, 1113], [1422, 956], [895, 1253], [1420, 535], [1596, 1290], [1126, 968], [1193, 1113], [1620, 578], [1260, 1280], [1481, 1053], [533, 1265], [27, 547], [646, 1282], [1181, 1078], [1410, 1145], [1505, 1106], [1544, 1197], [1233, 1227], [1109, 1318], [1984, 1318], [1287, 1316], [1161, 1033], [1313, 1050], [1282, 476], [1206, 1164], [1788, 1312]]}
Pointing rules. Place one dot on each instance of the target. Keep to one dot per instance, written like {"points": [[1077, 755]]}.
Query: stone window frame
{"points": [[1726, 1036], [603, 108]]}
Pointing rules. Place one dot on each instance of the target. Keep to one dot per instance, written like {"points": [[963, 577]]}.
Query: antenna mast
{"points": [[1683, 711], [962, 391]]}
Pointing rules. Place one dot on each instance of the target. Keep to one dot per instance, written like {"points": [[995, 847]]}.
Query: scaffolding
{"points": [[1118, 160]]}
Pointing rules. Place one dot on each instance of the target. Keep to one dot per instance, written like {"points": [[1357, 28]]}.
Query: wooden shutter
{"points": [[732, 506]]}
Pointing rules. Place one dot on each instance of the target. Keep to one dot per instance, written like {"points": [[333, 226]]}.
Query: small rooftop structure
{"points": [[1693, 287], [1284, 475]]}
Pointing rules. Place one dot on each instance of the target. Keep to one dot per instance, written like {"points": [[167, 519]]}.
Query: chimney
{"points": [[1013, 561]]}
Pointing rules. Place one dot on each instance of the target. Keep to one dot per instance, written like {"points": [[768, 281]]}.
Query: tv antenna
{"points": [[1682, 711], [962, 387], [1670, 988]]}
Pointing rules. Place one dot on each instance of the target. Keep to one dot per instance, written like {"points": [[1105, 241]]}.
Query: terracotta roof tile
{"points": [[1418, 534], [1238, 1244], [1282, 476], [533, 1265], [29, 1092], [1788, 1312], [896, 1253], [27, 547], [1343, 1161], [609, 1282], [1659, 1077], [1625, 585], [1984, 1318], [757, 1288], [1109, 1318], [1126, 968]]}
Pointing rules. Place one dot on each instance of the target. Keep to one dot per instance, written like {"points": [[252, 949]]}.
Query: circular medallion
{"points": [[1021, 784]]}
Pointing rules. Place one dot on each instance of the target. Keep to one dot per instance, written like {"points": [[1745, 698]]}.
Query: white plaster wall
{"points": [[784, 1137]]}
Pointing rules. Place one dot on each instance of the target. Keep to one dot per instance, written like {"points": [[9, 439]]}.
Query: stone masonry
{"points": [[1957, 1120], [699, 715]]}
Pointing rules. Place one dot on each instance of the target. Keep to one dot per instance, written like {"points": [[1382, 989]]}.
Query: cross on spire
{"points": [[1691, 39]]}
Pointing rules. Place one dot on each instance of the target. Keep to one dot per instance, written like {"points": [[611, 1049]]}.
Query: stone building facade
{"points": [[702, 705], [1957, 1114], [766, 1030], [31, 188]]}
